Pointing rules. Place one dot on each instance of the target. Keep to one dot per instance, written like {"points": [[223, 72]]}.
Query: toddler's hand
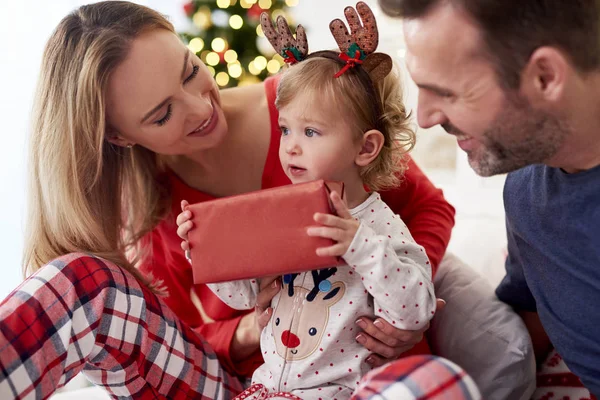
{"points": [[184, 225], [341, 228]]}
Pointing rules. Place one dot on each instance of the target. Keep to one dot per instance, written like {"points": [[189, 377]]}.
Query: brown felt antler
{"points": [[291, 49], [363, 35]]}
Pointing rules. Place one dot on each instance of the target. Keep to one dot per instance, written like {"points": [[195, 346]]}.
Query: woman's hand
{"points": [[385, 341], [268, 287], [247, 335]]}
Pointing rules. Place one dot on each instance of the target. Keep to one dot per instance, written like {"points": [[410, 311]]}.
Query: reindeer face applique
{"points": [[301, 316]]}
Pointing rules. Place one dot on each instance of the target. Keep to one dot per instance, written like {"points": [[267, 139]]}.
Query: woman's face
{"points": [[162, 97]]}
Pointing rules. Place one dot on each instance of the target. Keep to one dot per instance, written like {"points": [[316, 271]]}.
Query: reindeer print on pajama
{"points": [[309, 346]]}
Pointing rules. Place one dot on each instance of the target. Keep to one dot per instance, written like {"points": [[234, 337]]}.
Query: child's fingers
{"points": [[340, 206], [330, 220], [185, 245], [326, 232], [184, 216], [183, 229], [184, 204], [337, 250]]}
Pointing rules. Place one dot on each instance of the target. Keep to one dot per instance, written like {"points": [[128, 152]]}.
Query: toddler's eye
{"points": [[310, 132], [284, 131]]}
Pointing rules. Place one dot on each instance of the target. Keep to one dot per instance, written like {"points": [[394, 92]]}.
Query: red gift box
{"points": [[260, 233]]}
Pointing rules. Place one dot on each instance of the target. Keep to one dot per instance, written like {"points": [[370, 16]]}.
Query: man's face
{"points": [[459, 90]]}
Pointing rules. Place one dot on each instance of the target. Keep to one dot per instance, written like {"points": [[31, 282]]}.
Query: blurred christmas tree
{"points": [[227, 36]]}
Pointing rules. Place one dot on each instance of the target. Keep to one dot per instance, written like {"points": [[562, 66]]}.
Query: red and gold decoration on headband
{"points": [[228, 37], [357, 46]]}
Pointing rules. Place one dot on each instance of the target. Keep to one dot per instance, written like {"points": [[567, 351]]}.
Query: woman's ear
{"points": [[114, 137], [371, 144]]}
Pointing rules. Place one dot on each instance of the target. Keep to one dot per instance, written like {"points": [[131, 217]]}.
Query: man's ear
{"points": [[545, 76], [371, 144]]}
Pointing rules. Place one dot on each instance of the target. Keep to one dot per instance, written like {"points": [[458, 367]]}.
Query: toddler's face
{"points": [[316, 142]]}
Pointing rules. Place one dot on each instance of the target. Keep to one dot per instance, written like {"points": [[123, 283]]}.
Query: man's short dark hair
{"points": [[513, 29]]}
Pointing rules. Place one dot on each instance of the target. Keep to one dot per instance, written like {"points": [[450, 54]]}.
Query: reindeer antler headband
{"points": [[357, 47]]}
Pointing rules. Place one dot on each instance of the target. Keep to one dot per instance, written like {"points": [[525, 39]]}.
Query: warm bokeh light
{"points": [[265, 4], [235, 70], [230, 56], [196, 45], [223, 3], [260, 62], [212, 58], [236, 22], [218, 44], [273, 66], [252, 68], [222, 79]]}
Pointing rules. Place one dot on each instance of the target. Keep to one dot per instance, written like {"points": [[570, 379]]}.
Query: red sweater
{"points": [[422, 207]]}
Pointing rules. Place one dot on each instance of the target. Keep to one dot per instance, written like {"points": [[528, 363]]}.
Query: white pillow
{"points": [[482, 334]]}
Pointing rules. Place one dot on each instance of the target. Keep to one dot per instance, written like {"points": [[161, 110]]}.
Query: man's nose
{"points": [[428, 113]]}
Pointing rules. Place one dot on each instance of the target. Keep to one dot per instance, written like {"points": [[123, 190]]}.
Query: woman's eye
{"points": [[310, 132], [284, 131], [195, 70], [167, 116]]}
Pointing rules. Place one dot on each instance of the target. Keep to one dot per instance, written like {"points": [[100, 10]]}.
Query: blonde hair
{"points": [[370, 106], [85, 194]]}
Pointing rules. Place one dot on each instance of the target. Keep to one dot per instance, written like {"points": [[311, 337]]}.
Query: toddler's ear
{"points": [[371, 144]]}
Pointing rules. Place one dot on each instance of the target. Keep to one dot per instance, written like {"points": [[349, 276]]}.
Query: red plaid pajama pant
{"points": [[80, 312]]}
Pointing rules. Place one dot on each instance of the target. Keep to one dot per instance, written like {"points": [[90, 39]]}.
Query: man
{"points": [[518, 84]]}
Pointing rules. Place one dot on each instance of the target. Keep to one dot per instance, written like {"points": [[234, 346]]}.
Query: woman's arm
{"points": [[425, 211]]}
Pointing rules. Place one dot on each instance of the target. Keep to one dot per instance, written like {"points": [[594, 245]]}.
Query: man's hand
{"points": [[387, 342]]}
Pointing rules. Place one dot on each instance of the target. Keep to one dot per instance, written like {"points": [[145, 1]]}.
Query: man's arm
{"points": [[539, 338]]}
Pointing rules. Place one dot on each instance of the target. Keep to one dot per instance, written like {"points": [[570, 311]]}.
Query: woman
{"points": [[127, 123]]}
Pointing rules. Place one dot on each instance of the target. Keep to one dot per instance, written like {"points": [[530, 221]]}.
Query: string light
{"points": [[223, 3], [235, 70], [212, 58], [278, 58], [260, 63], [245, 4], [222, 78], [251, 1], [248, 80], [202, 18], [278, 13], [259, 31], [291, 3], [230, 56], [218, 44], [273, 66], [196, 45], [236, 22], [265, 4], [252, 68], [204, 54], [211, 70]]}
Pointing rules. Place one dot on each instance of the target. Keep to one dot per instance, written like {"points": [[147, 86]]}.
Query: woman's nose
{"points": [[200, 107]]}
